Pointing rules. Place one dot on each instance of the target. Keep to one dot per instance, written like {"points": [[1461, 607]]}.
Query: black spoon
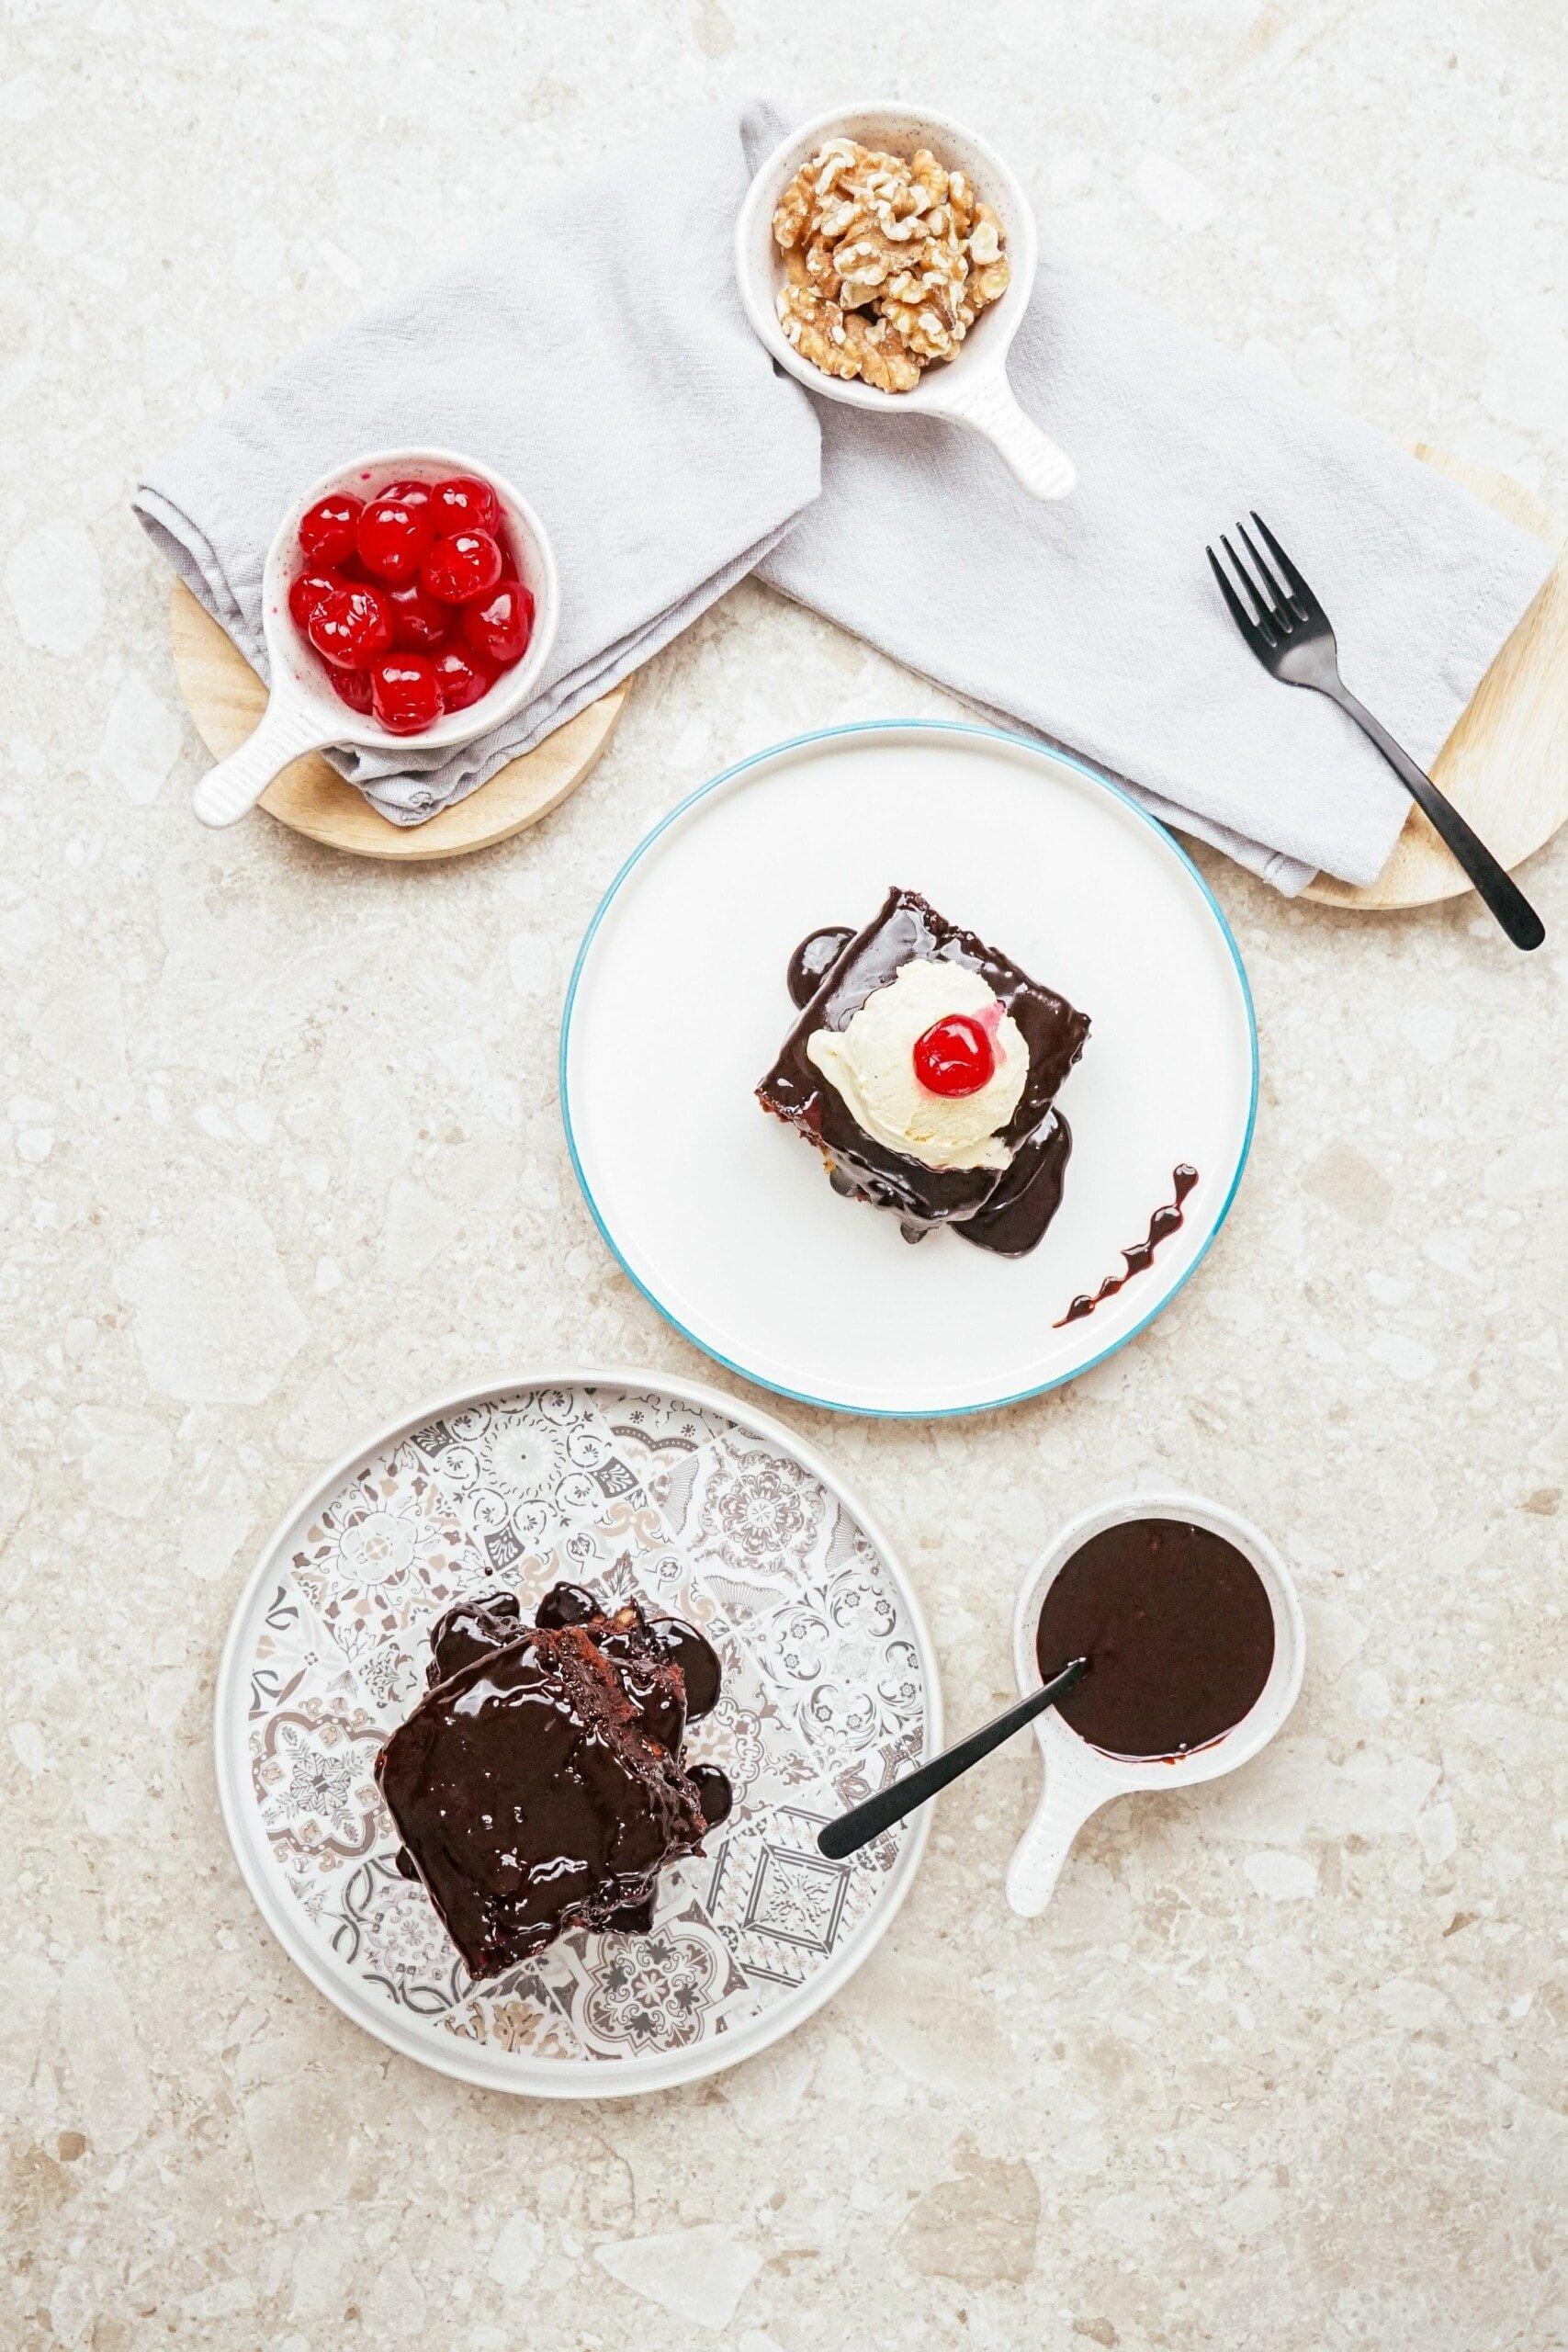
{"points": [[864, 1821]]}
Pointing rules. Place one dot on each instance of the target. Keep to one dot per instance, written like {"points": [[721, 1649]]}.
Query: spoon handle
{"points": [[865, 1821]]}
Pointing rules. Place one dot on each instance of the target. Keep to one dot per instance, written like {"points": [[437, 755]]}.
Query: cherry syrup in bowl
{"points": [[413, 595]]}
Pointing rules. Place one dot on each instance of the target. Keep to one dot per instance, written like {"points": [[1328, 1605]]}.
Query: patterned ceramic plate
{"points": [[644, 1488]]}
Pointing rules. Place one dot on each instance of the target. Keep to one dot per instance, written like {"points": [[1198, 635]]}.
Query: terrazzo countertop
{"points": [[280, 1152]]}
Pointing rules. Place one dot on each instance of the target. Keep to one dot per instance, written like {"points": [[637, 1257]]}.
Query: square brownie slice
{"points": [[1033, 1141], [530, 1797]]}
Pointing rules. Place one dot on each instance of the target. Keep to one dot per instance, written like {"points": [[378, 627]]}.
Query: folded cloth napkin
{"points": [[1095, 621], [599, 356]]}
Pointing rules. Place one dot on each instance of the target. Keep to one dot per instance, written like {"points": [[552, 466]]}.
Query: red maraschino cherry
{"points": [[317, 580], [463, 504], [500, 625], [394, 537], [351, 627], [405, 693], [328, 530], [419, 623], [351, 686], [464, 565], [954, 1055], [463, 676]]}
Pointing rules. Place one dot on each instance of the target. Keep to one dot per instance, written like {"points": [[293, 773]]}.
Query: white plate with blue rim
{"points": [[677, 1007]]}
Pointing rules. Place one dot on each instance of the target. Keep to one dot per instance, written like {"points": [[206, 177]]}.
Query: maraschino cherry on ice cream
{"points": [[957, 1055]]}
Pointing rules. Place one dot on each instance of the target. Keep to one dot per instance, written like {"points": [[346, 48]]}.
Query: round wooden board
{"points": [[225, 698], [1505, 767]]}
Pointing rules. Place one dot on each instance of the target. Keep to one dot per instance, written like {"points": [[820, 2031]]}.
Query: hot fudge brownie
{"points": [[924, 1067], [539, 1784]]}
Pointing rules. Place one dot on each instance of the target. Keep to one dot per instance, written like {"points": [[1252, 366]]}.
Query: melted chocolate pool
{"points": [[1177, 1628], [813, 960]]}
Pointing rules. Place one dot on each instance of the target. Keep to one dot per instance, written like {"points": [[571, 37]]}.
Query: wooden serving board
{"points": [[226, 698], [1505, 767]]}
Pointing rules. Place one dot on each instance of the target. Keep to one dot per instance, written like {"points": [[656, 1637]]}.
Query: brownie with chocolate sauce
{"points": [[539, 1785], [832, 976]]}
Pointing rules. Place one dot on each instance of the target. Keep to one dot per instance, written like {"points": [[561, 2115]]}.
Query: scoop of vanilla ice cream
{"points": [[870, 1062]]}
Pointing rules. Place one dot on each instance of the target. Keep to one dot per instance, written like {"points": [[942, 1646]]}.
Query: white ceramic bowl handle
{"points": [[988, 406], [286, 731], [1071, 1795]]}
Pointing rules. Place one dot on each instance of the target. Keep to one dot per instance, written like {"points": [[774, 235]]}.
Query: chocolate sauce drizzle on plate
{"points": [[1141, 1255]]}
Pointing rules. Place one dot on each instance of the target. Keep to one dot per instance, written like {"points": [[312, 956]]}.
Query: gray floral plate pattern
{"points": [[643, 1488]]}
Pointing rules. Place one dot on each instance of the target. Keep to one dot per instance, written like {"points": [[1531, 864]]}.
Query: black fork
{"points": [[1293, 637]]}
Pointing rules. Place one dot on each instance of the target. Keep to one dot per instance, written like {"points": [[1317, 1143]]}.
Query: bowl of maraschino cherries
{"points": [[409, 599]]}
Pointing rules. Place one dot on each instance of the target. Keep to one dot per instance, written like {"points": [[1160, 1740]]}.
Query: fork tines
{"points": [[1276, 611]]}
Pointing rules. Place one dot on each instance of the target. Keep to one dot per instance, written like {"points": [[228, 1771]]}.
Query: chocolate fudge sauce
{"points": [[567, 1604], [1016, 1216], [1141, 1255], [908, 928], [540, 1783], [472, 1629], [697, 1659], [813, 959], [532, 1801], [1177, 1630], [713, 1793], [646, 1641]]}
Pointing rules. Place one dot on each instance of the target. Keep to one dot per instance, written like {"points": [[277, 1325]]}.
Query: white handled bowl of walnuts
{"points": [[886, 256]]}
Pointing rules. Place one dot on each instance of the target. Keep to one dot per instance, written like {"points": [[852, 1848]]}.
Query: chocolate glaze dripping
{"points": [[1015, 1217], [567, 1604], [716, 1798], [713, 1793], [697, 1659], [682, 1645], [813, 959], [1010, 1217], [1141, 1255], [481, 1700]]}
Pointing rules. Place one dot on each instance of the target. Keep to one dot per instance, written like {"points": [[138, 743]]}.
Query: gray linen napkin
{"points": [[1095, 621], [596, 355], [668, 458]]}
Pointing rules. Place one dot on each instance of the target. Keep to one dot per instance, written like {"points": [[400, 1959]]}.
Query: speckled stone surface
{"points": [[279, 1152]]}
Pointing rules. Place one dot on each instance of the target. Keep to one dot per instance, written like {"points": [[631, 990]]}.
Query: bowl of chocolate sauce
{"points": [[1193, 1635]]}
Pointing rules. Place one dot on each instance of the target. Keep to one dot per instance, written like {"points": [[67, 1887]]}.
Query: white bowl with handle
{"points": [[303, 713], [1081, 1778], [972, 388]]}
